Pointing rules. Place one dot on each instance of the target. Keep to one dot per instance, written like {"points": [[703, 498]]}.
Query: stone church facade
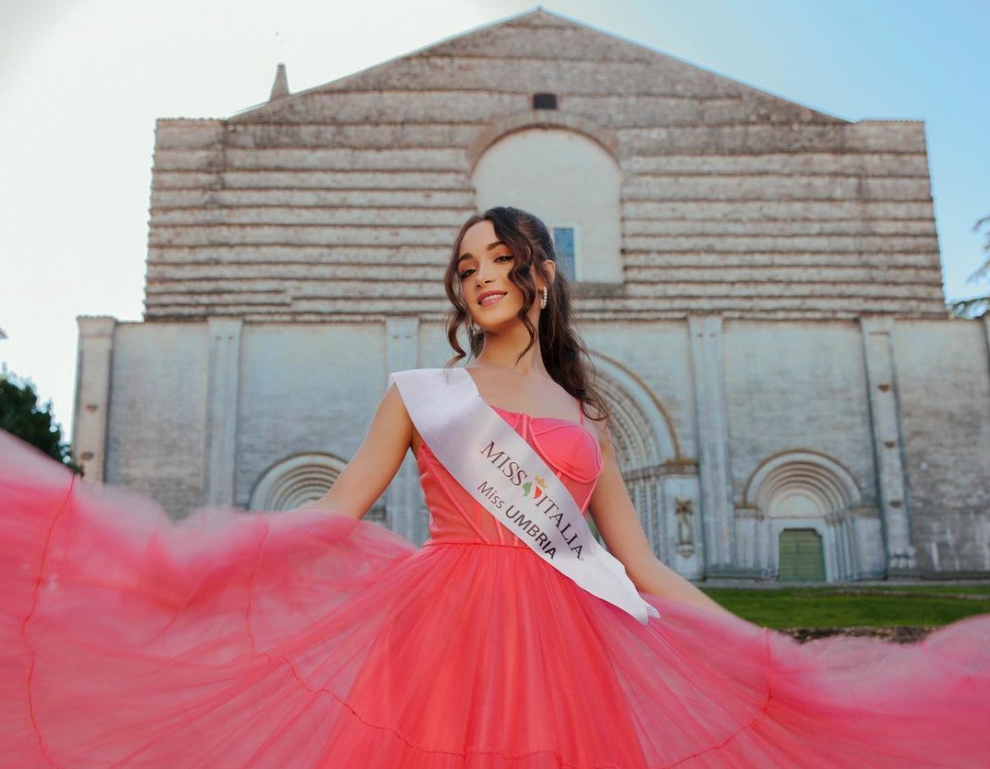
{"points": [[759, 285]]}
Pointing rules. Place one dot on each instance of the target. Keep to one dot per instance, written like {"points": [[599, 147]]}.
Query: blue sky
{"points": [[82, 82]]}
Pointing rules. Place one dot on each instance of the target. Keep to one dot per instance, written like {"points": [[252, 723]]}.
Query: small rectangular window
{"points": [[544, 101]]}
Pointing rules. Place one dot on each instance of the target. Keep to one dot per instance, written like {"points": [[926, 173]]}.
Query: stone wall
{"points": [[942, 371], [156, 432], [795, 432]]}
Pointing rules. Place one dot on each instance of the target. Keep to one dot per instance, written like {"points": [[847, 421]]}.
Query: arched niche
{"points": [[568, 179], [295, 481]]}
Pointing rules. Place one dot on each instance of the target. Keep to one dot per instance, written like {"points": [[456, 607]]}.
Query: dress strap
{"points": [[581, 410]]}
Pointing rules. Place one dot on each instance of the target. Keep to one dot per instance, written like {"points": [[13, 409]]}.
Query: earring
{"points": [[543, 301]]}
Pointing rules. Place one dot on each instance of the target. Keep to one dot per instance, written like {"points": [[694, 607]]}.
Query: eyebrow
{"points": [[489, 247]]}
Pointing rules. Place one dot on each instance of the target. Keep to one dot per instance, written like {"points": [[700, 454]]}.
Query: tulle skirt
{"points": [[309, 639]]}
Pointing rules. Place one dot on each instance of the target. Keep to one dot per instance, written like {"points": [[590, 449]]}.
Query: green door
{"points": [[802, 557]]}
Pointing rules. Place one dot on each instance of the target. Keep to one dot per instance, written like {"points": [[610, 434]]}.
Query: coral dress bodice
{"points": [[568, 447]]}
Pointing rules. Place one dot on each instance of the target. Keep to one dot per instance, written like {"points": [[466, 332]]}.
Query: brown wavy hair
{"points": [[564, 354]]}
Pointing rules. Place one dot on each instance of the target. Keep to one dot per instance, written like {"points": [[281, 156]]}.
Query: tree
{"points": [[977, 306], [21, 416]]}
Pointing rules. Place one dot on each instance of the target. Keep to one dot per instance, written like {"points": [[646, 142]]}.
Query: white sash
{"points": [[510, 480]]}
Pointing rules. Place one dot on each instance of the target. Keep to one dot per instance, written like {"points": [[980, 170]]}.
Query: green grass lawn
{"points": [[851, 605]]}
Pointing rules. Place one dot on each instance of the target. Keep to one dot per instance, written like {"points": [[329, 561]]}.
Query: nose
{"points": [[478, 275]]}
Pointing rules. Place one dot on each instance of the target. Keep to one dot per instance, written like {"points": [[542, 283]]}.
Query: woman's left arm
{"points": [[618, 523]]}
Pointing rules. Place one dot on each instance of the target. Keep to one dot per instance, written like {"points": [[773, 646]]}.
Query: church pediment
{"points": [[539, 51]]}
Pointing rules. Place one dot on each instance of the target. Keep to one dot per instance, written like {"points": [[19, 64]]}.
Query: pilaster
{"points": [[221, 410], [888, 443], [94, 365], [711, 427]]}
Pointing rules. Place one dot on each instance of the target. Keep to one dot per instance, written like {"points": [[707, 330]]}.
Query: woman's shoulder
{"points": [[598, 420]]}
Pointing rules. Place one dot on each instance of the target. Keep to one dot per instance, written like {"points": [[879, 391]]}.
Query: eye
{"points": [[464, 274]]}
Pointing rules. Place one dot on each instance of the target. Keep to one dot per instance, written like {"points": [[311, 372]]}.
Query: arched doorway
{"points": [[802, 518]]}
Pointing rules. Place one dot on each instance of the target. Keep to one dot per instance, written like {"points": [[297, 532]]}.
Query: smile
{"points": [[491, 299]]}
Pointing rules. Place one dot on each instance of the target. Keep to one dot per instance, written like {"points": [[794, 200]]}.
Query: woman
{"points": [[509, 640], [523, 328]]}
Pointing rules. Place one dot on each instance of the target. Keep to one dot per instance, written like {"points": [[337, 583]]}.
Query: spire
{"points": [[280, 88]]}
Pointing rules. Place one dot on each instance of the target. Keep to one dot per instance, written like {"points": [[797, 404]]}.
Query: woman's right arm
{"points": [[376, 462]]}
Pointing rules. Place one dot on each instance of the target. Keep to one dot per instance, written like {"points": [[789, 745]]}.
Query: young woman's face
{"points": [[483, 270]]}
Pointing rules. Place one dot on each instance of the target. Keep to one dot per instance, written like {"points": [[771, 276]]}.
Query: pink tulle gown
{"points": [[309, 639]]}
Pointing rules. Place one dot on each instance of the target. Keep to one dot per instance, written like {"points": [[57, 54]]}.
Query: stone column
{"points": [[404, 497], [221, 410], [94, 360], [888, 444], [712, 430]]}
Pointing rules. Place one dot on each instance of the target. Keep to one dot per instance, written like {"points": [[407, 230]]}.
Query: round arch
{"points": [[801, 491], [295, 481], [568, 178]]}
